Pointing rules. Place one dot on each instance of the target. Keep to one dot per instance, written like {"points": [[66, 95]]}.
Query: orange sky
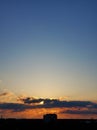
{"points": [[15, 106]]}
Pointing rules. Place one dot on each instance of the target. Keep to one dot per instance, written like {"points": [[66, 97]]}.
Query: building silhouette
{"points": [[49, 118]]}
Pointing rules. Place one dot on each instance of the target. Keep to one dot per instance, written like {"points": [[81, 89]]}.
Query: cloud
{"points": [[14, 106], [69, 107], [19, 107], [49, 103], [7, 97], [30, 100], [5, 94], [90, 111]]}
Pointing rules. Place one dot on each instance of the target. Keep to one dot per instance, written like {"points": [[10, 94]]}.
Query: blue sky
{"points": [[49, 48]]}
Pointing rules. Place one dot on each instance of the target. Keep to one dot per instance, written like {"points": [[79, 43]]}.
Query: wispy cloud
{"points": [[5, 94], [7, 97]]}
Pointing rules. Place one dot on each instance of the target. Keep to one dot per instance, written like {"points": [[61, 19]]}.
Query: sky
{"points": [[48, 58]]}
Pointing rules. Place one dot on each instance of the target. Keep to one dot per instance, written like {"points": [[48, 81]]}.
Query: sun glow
{"points": [[41, 103]]}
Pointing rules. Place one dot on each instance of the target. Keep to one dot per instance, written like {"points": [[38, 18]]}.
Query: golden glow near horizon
{"points": [[16, 106], [41, 103], [38, 114]]}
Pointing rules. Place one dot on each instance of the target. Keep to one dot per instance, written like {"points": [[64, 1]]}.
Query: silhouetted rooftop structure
{"points": [[50, 118]]}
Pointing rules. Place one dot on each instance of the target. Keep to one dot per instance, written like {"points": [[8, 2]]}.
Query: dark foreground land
{"points": [[60, 124]]}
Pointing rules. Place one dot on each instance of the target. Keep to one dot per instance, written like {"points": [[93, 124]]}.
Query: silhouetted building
{"points": [[50, 118]]}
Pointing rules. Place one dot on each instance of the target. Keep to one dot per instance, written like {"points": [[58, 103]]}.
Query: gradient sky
{"points": [[48, 49]]}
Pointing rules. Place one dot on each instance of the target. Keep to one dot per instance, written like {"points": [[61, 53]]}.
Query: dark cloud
{"points": [[29, 100], [90, 111], [94, 105], [32, 103], [13, 106], [57, 103]]}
